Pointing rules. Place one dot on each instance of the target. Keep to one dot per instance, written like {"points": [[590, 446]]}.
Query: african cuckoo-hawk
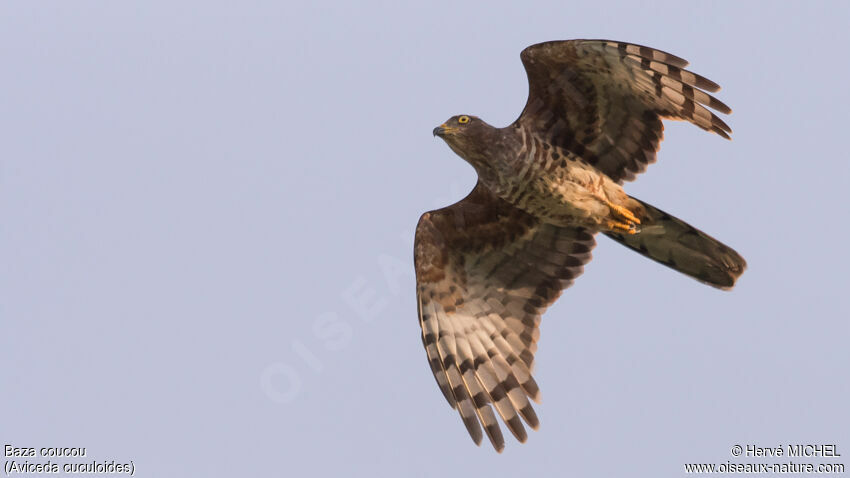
{"points": [[488, 266]]}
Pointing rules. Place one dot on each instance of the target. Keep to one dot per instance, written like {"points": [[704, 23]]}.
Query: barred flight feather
{"points": [[615, 124], [480, 307]]}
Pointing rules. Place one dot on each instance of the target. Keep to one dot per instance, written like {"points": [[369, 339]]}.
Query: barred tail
{"points": [[678, 245]]}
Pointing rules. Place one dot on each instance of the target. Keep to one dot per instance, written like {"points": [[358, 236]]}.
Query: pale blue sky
{"points": [[206, 227]]}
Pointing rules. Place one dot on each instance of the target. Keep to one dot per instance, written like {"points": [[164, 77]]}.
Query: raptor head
{"points": [[468, 136]]}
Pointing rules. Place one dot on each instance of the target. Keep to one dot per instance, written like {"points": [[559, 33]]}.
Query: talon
{"points": [[623, 212], [627, 227]]}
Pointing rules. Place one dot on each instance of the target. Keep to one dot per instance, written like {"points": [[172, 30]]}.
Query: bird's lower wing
{"points": [[485, 272]]}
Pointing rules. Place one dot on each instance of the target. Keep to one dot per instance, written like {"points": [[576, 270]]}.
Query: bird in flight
{"points": [[488, 266]]}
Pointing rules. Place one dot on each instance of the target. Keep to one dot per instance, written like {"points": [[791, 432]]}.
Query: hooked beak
{"points": [[443, 130]]}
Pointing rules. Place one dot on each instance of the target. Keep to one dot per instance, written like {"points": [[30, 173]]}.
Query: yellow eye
{"points": [[463, 119]]}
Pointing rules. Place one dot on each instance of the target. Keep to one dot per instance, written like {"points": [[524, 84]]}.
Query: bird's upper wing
{"points": [[604, 100], [485, 272]]}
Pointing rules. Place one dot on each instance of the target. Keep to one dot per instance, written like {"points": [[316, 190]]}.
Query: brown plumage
{"points": [[488, 266]]}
